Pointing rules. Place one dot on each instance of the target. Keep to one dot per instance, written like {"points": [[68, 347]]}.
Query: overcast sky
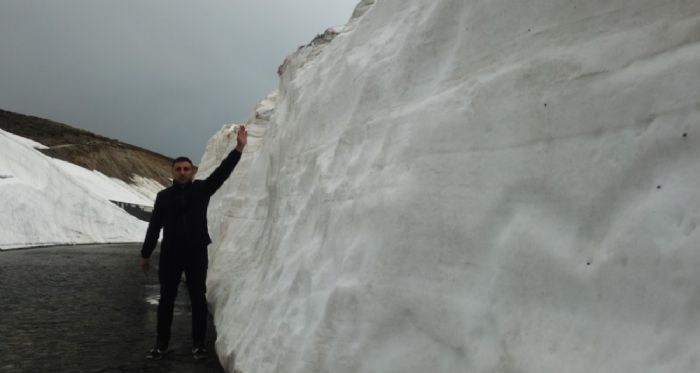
{"points": [[160, 74]]}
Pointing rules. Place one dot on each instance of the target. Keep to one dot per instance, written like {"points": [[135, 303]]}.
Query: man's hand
{"points": [[241, 139], [145, 264]]}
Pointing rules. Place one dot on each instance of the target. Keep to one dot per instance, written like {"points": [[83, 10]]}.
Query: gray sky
{"points": [[160, 74]]}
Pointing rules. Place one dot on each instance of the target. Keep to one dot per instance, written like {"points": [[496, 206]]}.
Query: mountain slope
{"points": [[83, 148]]}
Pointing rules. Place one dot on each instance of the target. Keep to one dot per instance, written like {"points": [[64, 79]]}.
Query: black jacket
{"points": [[181, 210]]}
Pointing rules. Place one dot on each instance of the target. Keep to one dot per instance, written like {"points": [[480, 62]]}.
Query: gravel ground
{"points": [[88, 308]]}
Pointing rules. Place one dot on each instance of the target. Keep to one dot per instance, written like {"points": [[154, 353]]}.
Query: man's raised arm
{"points": [[223, 171]]}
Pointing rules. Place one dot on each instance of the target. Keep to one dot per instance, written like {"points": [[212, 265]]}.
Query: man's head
{"points": [[183, 171]]}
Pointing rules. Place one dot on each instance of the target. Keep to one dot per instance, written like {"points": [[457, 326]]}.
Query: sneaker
{"points": [[199, 353], [156, 354]]}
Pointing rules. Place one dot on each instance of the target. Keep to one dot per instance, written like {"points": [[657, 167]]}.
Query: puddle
{"points": [[182, 302]]}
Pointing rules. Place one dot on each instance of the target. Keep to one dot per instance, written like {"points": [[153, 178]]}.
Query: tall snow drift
{"points": [[470, 186]]}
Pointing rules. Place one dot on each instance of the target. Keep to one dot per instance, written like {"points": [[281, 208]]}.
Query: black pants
{"points": [[169, 273]]}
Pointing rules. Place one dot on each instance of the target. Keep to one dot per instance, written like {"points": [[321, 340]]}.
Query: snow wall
{"points": [[470, 186]]}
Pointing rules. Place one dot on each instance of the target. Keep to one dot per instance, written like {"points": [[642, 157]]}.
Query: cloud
{"points": [[161, 74]]}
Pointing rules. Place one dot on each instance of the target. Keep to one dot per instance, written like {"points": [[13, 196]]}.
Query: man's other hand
{"points": [[241, 138], [145, 264]]}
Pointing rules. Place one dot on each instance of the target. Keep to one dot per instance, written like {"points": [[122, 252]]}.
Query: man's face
{"points": [[183, 172]]}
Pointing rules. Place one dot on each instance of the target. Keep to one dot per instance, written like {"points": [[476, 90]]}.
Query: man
{"points": [[181, 210]]}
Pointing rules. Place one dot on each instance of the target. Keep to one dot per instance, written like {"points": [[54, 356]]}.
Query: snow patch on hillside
{"points": [[47, 201]]}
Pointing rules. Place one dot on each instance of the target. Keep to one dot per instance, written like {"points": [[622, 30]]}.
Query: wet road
{"points": [[88, 309]]}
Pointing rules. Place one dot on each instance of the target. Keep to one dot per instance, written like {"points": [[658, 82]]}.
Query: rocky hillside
{"points": [[111, 157]]}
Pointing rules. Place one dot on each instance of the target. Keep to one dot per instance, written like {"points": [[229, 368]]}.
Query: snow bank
{"points": [[107, 187], [453, 186], [46, 201]]}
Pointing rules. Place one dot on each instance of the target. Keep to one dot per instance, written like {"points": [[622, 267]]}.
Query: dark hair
{"points": [[182, 159]]}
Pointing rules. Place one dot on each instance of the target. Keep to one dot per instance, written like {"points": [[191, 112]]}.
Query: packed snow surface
{"points": [[110, 188], [470, 186], [47, 201]]}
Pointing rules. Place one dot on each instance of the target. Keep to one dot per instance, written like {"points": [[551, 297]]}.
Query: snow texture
{"points": [[470, 186], [46, 201]]}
